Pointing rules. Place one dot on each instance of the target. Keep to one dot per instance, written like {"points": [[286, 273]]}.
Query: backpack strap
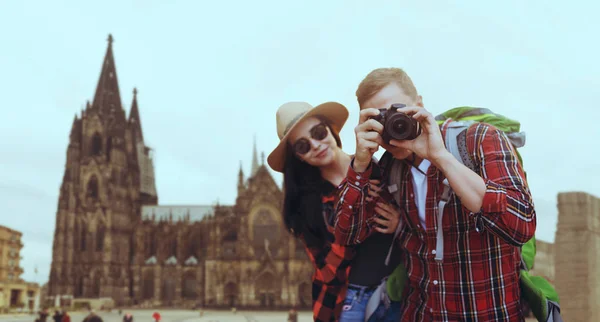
{"points": [[391, 169], [456, 143], [396, 233]]}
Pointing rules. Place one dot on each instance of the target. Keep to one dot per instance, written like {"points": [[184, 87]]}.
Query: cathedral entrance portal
{"points": [[231, 294], [266, 289], [267, 299]]}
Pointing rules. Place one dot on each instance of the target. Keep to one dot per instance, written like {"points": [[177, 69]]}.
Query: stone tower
{"points": [[108, 176], [577, 246]]}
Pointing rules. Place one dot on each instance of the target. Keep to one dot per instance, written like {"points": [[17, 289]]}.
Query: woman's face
{"points": [[313, 143]]}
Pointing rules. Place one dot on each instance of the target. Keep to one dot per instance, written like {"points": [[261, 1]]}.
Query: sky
{"points": [[211, 74]]}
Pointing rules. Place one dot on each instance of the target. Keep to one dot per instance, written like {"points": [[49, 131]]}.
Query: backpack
{"points": [[537, 292]]}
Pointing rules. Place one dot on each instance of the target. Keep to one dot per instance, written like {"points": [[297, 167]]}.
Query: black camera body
{"points": [[397, 125]]}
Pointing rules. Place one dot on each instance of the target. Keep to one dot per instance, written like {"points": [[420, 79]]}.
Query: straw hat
{"points": [[292, 113]]}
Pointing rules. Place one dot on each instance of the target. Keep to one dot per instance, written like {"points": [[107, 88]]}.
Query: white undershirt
{"points": [[419, 181]]}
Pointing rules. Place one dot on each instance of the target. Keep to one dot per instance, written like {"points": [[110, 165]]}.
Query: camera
{"points": [[397, 125]]}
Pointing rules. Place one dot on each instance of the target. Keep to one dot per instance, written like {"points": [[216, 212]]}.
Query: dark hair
{"points": [[302, 203]]}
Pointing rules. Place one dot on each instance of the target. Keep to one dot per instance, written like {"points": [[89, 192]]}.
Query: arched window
{"points": [[108, 148], [151, 245], [189, 285], [100, 237], [92, 188], [96, 144], [173, 247], [168, 289], [266, 233], [79, 287], [148, 285], [194, 245], [229, 242], [82, 239], [96, 287]]}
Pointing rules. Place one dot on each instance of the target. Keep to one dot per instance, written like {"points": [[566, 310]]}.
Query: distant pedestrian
{"points": [[92, 317], [293, 315], [128, 317], [43, 315], [65, 316], [156, 317], [57, 317]]}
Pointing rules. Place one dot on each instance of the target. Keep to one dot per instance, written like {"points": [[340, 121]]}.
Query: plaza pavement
{"points": [[176, 316], [182, 316]]}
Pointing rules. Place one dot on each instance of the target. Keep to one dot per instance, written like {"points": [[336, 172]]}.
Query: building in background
{"points": [[114, 245], [576, 258], [572, 263], [544, 260], [14, 292]]}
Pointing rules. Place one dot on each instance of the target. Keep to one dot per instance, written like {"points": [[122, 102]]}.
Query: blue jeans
{"points": [[355, 306]]}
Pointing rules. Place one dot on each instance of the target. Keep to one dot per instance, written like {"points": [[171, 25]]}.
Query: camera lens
{"points": [[400, 126]]}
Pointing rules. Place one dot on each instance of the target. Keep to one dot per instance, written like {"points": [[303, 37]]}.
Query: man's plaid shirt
{"points": [[478, 278], [332, 266]]}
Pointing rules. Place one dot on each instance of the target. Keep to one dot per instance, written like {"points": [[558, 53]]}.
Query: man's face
{"points": [[392, 94]]}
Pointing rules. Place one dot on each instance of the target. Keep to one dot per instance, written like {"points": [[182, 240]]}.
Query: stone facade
{"points": [[544, 260], [113, 240], [577, 264]]}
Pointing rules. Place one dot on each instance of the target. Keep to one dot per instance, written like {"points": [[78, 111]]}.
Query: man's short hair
{"points": [[382, 77]]}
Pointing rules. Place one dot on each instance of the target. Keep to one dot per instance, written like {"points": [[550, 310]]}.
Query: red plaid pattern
{"points": [[330, 280], [478, 278]]}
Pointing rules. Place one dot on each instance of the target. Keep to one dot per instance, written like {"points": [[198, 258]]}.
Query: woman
{"points": [[310, 157]]}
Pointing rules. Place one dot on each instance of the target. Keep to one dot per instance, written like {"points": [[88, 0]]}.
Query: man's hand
{"points": [[429, 145], [368, 139]]}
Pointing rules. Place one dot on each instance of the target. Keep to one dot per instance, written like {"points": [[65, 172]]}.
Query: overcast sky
{"points": [[211, 75]]}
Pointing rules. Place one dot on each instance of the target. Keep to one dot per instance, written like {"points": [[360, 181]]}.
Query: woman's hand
{"points": [[389, 217], [390, 220]]}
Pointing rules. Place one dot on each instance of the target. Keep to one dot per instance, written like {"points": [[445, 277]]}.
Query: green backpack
{"points": [[539, 294]]}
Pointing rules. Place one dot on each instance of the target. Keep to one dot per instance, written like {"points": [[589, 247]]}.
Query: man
{"points": [[489, 216]]}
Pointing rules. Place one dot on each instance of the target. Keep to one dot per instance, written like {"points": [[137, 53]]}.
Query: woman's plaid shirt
{"points": [[478, 278], [332, 266]]}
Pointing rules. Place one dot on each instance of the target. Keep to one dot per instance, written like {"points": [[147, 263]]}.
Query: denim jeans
{"points": [[355, 306]]}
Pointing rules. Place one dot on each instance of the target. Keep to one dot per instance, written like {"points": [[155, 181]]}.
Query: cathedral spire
{"points": [[254, 159], [240, 184], [75, 130], [107, 95], [134, 116]]}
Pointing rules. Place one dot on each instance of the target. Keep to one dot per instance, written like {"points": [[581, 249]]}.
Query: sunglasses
{"points": [[317, 132]]}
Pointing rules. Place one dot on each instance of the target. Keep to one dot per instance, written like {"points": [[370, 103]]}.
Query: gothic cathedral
{"points": [[113, 240]]}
